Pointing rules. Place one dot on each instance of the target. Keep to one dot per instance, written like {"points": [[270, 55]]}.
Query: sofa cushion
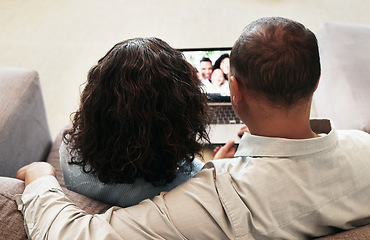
{"points": [[360, 233]]}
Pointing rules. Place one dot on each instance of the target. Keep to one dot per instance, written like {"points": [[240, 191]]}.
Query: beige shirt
{"points": [[277, 188]]}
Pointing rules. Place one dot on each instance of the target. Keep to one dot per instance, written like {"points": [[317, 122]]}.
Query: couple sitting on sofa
{"points": [[140, 123]]}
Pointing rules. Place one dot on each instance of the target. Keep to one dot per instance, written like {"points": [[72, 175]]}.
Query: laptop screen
{"points": [[213, 67]]}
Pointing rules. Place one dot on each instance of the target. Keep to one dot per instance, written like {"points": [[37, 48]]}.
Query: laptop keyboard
{"points": [[224, 114]]}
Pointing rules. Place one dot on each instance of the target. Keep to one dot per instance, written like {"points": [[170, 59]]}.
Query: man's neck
{"points": [[291, 124], [283, 128]]}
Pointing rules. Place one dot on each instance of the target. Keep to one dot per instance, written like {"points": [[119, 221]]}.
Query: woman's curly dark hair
{"points": [[141, 114]]}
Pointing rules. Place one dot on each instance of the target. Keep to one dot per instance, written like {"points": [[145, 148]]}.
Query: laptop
{"points": [[225, 125]]}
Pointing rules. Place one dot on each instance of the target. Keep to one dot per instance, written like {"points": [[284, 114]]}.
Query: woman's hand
{"points": [[33, 171]]}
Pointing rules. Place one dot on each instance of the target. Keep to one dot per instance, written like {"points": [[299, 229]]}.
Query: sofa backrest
{"points": [[24, 130]]}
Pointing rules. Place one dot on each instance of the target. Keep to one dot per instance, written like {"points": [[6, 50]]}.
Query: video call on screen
{"points": [[214, 74]]}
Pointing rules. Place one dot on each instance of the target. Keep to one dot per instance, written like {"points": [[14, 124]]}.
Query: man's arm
{"points": [[49, 213], [33, 171], [191, 210]]}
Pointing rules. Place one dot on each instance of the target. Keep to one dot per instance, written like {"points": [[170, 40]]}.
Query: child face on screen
{"points": [[217, 78]]}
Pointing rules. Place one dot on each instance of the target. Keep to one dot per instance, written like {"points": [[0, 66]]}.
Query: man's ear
{"points": [[235, 91]]}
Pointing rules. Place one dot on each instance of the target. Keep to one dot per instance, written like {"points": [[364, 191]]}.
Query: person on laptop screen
{"points": [[223, 62], [206, 68], [218, 85], [202, 59], [225, 124]]}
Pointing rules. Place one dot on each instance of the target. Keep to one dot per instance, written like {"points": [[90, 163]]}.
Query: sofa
{"points": [[25, 138], [25, 135]]}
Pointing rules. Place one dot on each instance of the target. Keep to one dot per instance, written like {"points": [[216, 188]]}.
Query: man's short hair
{"points": [[278, 59], [205, 59]]}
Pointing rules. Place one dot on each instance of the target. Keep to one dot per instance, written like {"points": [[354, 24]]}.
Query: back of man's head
{"points": [[278, 59]]}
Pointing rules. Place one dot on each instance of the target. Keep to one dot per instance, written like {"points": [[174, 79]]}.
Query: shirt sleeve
{"points": [[182, 213]]}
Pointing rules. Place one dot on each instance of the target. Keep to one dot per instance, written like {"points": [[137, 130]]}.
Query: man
{"points": [[205, 69], [288, 180]]}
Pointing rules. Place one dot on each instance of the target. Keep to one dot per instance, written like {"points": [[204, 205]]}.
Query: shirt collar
{"points": [[258, 146]]}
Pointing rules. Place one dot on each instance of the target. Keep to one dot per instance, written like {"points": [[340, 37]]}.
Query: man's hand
{"points": [[33, 171], [226, 151], [243, 130]]}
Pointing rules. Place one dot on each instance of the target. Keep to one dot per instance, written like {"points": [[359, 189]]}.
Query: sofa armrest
{"points": [[11, 220], [24, 131]]}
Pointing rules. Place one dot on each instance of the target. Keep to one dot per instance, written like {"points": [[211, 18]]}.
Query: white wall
{"points": [[63, 39]]}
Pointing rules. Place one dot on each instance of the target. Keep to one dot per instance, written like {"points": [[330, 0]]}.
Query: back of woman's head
{"points": [[141, 113]]}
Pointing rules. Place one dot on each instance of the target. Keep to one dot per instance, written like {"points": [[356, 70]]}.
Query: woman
{"points": [[141, 120], [223, 62]]}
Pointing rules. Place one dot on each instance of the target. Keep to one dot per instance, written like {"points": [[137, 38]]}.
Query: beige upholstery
{"points": [[361, 233], [24, 130], [11, 220]]}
